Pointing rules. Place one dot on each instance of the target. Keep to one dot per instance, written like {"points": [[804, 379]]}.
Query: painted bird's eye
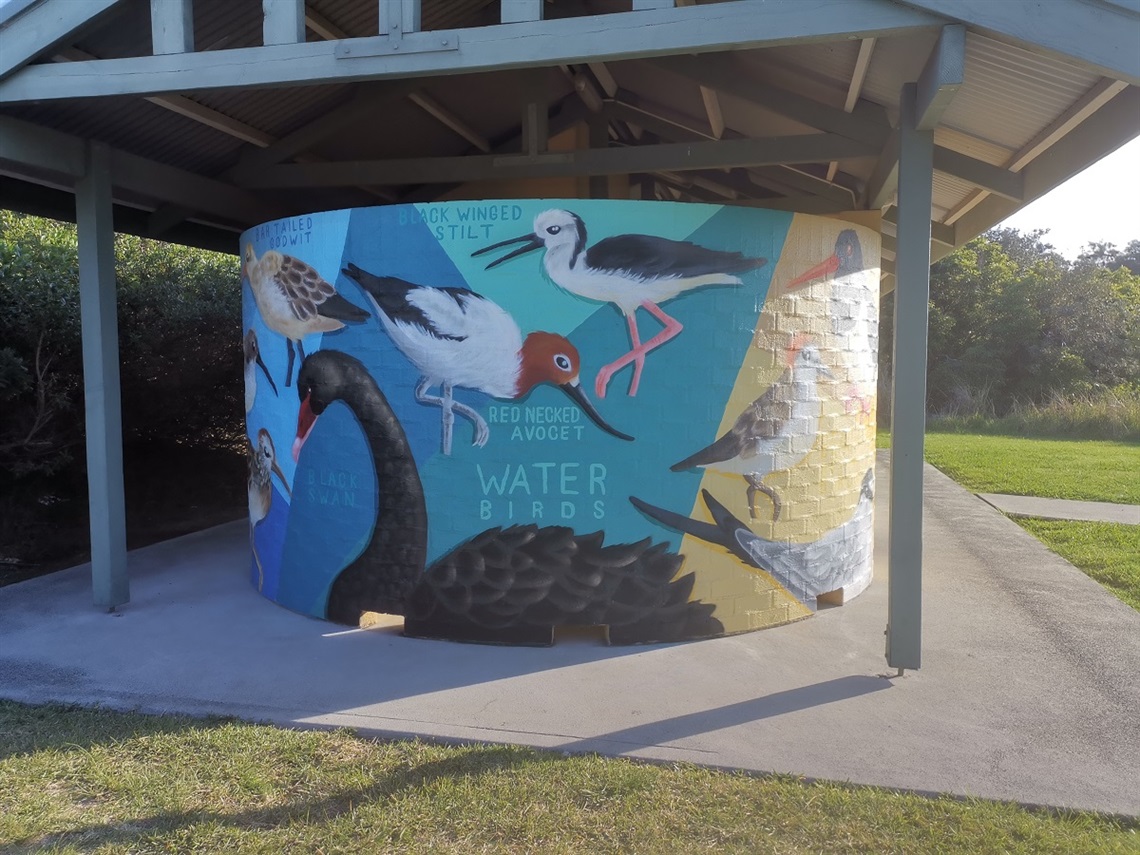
{"points": [[562, 362], [553, 230]]}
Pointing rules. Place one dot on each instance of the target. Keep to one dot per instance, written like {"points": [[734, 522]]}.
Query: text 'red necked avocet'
{"points": [[294, 299], [629, 271], [456, 337], [253, 361], [852, 310], [775, 432]]}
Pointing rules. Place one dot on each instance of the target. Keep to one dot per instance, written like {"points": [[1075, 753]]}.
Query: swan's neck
{"points": [[381, 578]]}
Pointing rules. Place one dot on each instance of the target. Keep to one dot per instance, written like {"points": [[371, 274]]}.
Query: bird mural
{"points": [[775, 432], [457, 338], [841, 558], [631, 271], [253, 361], [505, 585], [852, 310], [262, 458], [294, 300]]}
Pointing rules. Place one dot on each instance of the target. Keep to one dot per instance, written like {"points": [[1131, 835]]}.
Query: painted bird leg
{"points": [[449, 406], [756, 484], [289, 366], [636, 355]]}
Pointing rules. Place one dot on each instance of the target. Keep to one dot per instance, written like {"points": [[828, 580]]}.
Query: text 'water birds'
{"points": [[457, 338], [512, 584], [294, 299], [631, 271], [840, 557], [775, 432]]}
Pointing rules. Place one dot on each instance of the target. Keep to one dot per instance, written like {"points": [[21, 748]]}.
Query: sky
{"points": [[1100, 204]]}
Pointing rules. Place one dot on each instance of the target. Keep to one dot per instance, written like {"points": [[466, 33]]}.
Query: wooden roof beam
{"points": [[591, 38], [855, 88], [807, 148]]}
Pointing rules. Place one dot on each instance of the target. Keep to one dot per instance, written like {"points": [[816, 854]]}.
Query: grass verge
{"points": [[1107, 552], [1085, 470], [78, 780]]}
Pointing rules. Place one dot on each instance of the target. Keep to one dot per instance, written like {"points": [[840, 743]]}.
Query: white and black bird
{"points": [[295, 300], [852, 310], [457, 338], [775, 432], [631, 271], [840, 559], [253, 361]]}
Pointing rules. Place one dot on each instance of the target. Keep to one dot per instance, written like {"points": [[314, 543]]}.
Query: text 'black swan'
{"points": [[510, 585]]}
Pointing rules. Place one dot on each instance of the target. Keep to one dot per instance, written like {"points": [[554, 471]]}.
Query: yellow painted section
{"points": [[821, 491]]}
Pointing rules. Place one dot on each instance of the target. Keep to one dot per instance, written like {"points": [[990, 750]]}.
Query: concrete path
{"points": [[1029, 688], [1063, 509]]}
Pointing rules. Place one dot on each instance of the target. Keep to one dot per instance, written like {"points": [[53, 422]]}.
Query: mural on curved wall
{"points": [[496, 418]]}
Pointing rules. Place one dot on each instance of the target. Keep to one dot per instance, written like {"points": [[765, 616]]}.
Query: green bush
{"points": [[179, 314]]}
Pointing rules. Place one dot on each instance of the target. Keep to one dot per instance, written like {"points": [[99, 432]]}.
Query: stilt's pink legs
{"points": [[637, 354]]}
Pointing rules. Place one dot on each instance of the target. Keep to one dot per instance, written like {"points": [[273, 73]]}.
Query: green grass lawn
{"points": [[1108, 552], [1088, 470], [79, 780]]}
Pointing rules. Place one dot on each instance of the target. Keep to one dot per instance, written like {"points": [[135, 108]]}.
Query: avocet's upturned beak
{"points": [[820, 271], [575, 393], [530, 242]]}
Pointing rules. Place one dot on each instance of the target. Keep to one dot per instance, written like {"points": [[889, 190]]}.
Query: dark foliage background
{"points": [[179, 314]]}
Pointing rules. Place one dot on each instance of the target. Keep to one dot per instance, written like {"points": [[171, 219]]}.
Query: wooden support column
{"points": [[599, 130], [284, 21], [517, 11], [100, 331], [398, 17], [908, 406], [172, 26]]}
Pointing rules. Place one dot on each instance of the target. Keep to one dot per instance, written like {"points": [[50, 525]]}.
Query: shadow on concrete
{"points": [[731, 715]]}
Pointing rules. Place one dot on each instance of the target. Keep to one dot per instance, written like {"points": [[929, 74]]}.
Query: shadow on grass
{"points": [[104, 727]]}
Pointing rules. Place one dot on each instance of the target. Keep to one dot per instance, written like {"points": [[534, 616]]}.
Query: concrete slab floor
{"points": [[1029, 689]]}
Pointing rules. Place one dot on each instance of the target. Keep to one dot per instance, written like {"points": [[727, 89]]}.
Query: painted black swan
{"points": [[511, 585]]}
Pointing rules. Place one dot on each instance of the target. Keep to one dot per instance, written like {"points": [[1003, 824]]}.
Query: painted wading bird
{"points": [[294, 300], [852, 310], [630, 271], [503, 585], [455, 337], [775, 432], [262, 467], [840, 559], [253, 361]]}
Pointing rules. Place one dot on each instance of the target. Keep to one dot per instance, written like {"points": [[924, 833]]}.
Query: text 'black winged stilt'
{"points": [[629, 271], [455, 337]]}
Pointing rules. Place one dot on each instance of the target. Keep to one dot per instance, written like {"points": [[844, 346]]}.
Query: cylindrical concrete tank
{"points": [[499, 417]]}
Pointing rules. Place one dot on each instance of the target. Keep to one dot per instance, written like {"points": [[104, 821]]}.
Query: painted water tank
{"points": [[496, 418]]}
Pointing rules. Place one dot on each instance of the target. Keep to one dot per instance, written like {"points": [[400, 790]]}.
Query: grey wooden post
{"points": [[100, 330], [908, 412]]}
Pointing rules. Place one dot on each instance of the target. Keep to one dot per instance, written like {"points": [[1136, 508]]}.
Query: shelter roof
{"points": [[218, 117]]}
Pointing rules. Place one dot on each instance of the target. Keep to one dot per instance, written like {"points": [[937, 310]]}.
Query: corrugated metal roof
{"points": [[1010, 94]]}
